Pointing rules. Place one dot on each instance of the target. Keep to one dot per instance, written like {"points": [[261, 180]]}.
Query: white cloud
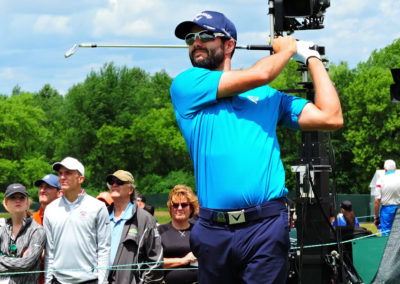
{"points": [[390, 10], [8, 73], [49, 24], [253, 37], [349, 7], [127, 18]]}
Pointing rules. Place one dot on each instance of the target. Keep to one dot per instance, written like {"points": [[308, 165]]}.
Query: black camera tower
{"points": [[313, 202]]}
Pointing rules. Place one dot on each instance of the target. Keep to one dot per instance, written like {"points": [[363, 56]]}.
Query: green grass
{"points": [[162, 215], [4, 215], [369, 226]]}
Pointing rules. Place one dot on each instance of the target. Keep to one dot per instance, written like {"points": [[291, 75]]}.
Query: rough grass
{"points": [[162, 215], [369, 226], [4, 215]]}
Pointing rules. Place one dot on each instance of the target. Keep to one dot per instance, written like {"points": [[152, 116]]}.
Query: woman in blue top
{"points": [[347, 217]]}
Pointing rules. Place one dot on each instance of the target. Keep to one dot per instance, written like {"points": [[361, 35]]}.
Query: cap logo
{"points": [[199, 16]]}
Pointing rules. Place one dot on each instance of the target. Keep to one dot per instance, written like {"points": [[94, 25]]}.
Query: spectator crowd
{"points": [[77, 238]]}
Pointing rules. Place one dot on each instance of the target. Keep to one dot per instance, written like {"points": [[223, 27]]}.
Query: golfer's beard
{"points": [[213, 60]]}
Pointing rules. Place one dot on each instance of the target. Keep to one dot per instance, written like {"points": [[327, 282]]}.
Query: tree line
{"points": [[122, 118]]}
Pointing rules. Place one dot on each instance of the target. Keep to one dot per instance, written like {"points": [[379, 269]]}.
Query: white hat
{"points": [[390, 165], [71, 164]]}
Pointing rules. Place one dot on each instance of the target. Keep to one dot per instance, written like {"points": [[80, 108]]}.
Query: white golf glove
{"points": [[304, 52]]}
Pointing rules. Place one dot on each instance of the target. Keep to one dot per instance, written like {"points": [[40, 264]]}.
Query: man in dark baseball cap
{"points": [[49, 190], [211, 21], [228, 119]]}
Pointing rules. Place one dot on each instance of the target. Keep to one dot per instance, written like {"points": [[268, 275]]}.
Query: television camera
{"points": [[286, 13]]}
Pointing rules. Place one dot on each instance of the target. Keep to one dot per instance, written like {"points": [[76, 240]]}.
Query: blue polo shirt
{"points": [[232, 141], [116, 230]]}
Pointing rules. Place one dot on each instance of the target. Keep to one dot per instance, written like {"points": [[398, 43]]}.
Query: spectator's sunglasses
{"points": [[183, 205], [117, 181], [204, 36]]}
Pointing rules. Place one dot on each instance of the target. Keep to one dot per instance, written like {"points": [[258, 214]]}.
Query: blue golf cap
{"points": [[50, 179], [209, 20]]}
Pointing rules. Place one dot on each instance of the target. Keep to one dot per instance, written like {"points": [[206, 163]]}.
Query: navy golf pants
{"points": [[251, 252]]}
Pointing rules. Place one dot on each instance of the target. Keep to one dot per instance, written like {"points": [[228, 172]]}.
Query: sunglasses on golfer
{"points": [[204, 36], [183, 205], [117, 181]]}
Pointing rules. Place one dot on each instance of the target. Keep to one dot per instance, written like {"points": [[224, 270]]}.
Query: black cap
{"points": [[16, 188]]}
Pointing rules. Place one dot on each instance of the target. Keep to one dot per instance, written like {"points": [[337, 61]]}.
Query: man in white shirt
{"points": [[387, 197], [77, 229]]}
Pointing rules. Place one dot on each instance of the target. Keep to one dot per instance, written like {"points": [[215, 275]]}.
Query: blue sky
{"points": [[36, 34]]}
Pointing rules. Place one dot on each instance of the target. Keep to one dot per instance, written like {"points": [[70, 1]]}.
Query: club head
{"points": [[71, 51]]}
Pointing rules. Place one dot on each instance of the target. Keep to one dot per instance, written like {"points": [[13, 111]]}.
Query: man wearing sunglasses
{"points": [[228, 119], [134, 236]]}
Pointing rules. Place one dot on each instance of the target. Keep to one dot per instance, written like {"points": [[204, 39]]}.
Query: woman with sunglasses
{"points": [[175, 235], [21, 239]]}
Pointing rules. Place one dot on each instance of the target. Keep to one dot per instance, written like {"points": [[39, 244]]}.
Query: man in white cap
{"points": [[77, 230], [387, 197]]}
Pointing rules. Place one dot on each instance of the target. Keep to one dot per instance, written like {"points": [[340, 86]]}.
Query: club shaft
{"points": [[73, 49], [94, 45]]}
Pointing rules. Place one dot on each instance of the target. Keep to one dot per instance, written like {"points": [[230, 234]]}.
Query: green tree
{"points": [[22, 134], [157, 144], [22, 127], [372, 124], [342, 77], [52, 104]]}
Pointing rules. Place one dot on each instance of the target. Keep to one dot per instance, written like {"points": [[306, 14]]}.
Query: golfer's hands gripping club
{"points": [[305, 51], [284, 44]]}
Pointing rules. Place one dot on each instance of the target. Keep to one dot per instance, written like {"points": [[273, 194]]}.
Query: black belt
{"points": [[239, 216]]}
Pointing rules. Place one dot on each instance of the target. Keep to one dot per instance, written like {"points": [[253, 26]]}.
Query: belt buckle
{"points": [[236, 217]]}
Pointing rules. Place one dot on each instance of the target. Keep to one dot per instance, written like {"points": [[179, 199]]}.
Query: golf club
{"points": [[75, 47]]}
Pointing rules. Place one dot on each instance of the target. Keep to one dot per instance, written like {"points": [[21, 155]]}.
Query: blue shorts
{"points": [[250, 252]]}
